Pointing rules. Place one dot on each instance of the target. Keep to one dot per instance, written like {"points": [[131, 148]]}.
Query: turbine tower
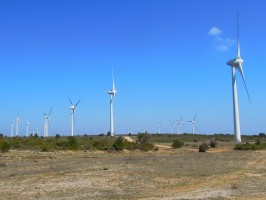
{"points": [[159, 128], [112, 94], [17, 125], [72, 108], [171, 125], [46, 123], [27, 128], [193, 124], [179, 125], [237, 64], [12, 129]]}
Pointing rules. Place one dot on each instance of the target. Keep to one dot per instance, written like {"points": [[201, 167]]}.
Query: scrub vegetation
{"points": [[141, 141]]}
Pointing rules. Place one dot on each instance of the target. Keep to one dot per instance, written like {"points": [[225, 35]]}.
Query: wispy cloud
{"points": [[220, 43], [215, 31]]}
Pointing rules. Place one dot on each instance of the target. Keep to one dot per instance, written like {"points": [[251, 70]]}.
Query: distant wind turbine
{"points": [[112, 94], [237, 64], [159, 128], [171, 126], [72, 108], [17, 125], [46, 124], [27, 128], [193, 124], [12, 129], [179, 125]]}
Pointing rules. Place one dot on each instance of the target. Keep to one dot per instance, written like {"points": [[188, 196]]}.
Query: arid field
{"points": [[167, 174]]}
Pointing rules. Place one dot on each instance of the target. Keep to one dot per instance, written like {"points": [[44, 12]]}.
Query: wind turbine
{"points": [[17, 125], [112, 94], [47, 121], [237, 64], [159, 128], [12, 129], [179, 125], [193, 124], [72, 108], [27, 128], [171, 125]]}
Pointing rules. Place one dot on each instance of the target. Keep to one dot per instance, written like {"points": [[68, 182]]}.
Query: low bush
{"points": [[44, 148], [178, 143], [143, 137], [102, 144], [73, 143], [247, 146], [5, 146], [131, 146], [213, 144], [119, 144], [146, 146], [203, 147]]}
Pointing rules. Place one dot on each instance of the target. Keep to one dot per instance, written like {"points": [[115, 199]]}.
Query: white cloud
{"points": [[215, 31], [220, 43]]}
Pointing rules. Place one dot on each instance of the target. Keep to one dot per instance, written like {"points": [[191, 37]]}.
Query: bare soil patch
{"points": [[167, 174]]}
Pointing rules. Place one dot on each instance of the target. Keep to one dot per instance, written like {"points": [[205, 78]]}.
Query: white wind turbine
{"points": [[179, 125], [46, 123], [193, 124], [17, 125], [112, 94], [12, 129], [27, 128], [237, 64], [171, 126], [159, 128], [72, 108]]}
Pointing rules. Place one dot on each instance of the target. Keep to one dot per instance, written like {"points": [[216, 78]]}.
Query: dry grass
{"points": [[166, 174]]}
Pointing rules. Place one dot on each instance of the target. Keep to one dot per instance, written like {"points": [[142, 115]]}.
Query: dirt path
{"points": [[130, 139]]}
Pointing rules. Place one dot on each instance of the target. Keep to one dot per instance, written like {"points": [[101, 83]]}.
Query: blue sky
{"points": [[167, 63]]}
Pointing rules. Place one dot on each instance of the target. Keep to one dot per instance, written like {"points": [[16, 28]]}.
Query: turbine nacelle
{"points": [[73, 107], [235, 62], [112, 92]]}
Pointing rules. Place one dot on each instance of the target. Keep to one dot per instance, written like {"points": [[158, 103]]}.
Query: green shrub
{"points": [[131, 146], [247, 146], [258, 142], [143, 137], [5, 146], [203, 147], [119, 144], [156, 149], [213, 144], [101, 144], [263, 135], [178, 143], [73, 143], [44, 148], [146, 146]]}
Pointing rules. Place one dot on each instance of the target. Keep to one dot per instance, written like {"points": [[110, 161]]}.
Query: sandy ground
{"points": [[166, 174]]}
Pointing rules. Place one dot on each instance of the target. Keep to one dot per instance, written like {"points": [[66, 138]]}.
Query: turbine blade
{"points": [[77, 104], [70, 101], [50, 112], [195, 126], [195, 117], [238, 43], [44, 114], [240, 69]]}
